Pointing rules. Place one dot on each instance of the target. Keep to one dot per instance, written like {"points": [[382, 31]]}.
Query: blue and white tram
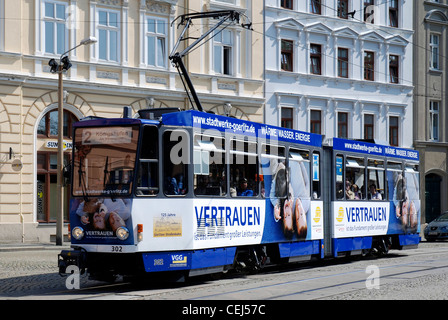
{"points": [[374, 203], [190, 193]]}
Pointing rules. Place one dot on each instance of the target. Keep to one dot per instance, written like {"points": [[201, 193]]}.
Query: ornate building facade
{"points": [[341, 68], [127, 66]]}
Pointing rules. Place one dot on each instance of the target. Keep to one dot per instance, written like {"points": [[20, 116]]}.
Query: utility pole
{"points": [[63, 65]]}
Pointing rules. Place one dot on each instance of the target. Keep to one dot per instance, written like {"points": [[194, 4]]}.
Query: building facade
{"points": [[431, 103], [341, 68], [127, 66]]}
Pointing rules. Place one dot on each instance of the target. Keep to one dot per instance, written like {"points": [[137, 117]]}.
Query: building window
{"points": [[108, 35], [287, 55], [287, 118], [369, 65], [369, 11], [393, 13], [226, 1], [342, 62], [393, 131], [434, 120], [434, 51], [316, 58], [393, 68], [315, 6], [316, 122], [55, 31], [343, 9], [343, 125], [223, 52], [48, 125], [369, 126], [156, 34], [287, 4]]}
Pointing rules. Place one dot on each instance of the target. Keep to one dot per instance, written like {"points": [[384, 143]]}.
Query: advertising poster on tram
{"points": [[100, 218], [290, 213], [392, 209]]}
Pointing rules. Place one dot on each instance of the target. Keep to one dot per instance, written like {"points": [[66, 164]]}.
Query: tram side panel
{"points": [[358, 225], [291, 214]]}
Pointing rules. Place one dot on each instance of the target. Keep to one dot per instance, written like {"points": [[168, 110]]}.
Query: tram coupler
{"points": [[75, 257]]}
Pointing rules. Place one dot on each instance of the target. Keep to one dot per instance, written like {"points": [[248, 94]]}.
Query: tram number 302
{"points": [[117, 249]]}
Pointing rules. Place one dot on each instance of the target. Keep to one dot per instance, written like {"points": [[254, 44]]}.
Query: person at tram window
{"points": [[348, 190], [356, 192], [373, 193], [243, 191]]}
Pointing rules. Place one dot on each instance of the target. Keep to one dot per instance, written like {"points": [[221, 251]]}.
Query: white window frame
{"points": [[226, 2], [108, 30], [56, 21], [434, 57], [157, 35], [434, 120], [220, 44]]}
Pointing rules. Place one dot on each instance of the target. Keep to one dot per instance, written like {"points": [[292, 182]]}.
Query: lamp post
{"points": [[64, 64]]}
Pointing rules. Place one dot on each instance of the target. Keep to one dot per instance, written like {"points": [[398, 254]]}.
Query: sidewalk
{"points": [[27, 246]]}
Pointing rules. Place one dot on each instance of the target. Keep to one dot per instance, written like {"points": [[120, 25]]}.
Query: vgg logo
{"points": [[178, 258]]}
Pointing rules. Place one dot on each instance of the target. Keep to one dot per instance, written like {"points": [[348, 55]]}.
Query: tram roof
{"points": [[373, 149], [208, 121]]}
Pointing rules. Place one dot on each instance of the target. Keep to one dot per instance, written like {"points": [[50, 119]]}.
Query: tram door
{"points": [[328, 182]]}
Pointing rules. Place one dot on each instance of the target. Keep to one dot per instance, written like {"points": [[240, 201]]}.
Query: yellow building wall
{"points": [[28, 90]]}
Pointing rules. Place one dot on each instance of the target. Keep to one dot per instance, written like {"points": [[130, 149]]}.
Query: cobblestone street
{"points": [[28, 271], [31, 273]]}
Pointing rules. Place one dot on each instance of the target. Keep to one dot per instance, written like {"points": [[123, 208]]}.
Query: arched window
{"points": [[47, 134], [48, 125]]}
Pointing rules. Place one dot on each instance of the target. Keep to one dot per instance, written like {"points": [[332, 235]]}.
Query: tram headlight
{"points": [[122, 233], [78, 233]]}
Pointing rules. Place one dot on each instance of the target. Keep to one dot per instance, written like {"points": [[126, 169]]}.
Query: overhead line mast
{"points": [[176, 57]]}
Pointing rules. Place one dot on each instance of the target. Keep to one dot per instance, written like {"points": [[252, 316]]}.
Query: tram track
{"points": [[266, 285], [423, 269]]}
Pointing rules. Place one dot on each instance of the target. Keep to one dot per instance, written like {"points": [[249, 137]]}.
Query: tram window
{"points": [[339, 177], [316, 193], [176, 155], [210, 171], [272, 151], [375, 177], [148, 170], [273, 160], [243, 169], [299, 166], [395, 181], [354, 179], [412, 182]]}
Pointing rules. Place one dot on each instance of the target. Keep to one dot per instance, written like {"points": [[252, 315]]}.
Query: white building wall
{"points": [[327, 92]]}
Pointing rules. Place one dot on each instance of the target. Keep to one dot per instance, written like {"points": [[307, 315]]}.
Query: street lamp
{"points": [[63, 65]]}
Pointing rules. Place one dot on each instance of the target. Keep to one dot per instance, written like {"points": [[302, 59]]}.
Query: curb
{"points": [[31, 247]]}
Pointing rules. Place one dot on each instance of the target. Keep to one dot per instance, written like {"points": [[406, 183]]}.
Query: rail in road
{"points": [[415, 274]]}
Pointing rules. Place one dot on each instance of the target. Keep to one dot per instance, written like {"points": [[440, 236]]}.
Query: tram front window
{"points": [[104, 160]]}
